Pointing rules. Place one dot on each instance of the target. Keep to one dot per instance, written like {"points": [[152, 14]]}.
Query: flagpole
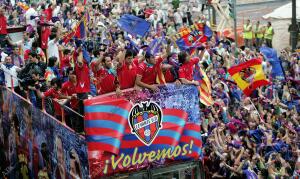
{"points": [[255, 109]]}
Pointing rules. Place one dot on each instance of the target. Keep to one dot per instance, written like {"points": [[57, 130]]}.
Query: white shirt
{"points": [[56, 11], [13, 2], [10, 73], [178, 18], [196, 11], [268, 70], [3, 56], [31, 12], [25, 45], [206, 56], [53, 49]]}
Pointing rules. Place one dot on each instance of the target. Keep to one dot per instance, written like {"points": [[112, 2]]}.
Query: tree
{"points": [[175, 4]]}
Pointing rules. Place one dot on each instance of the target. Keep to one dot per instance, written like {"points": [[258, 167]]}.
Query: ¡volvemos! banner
{"points": [[141, 128]]}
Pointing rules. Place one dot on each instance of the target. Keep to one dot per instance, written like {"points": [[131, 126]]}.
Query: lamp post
{"points": [[294, 27], [232, 14]]}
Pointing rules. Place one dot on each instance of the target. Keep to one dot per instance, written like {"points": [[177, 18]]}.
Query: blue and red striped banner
{"points": [[105, 125], [108, 131]]}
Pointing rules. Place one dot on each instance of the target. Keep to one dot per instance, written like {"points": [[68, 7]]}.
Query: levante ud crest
{"points": [[145, 120]]}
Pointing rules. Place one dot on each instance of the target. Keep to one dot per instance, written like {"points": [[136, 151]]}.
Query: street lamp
{"points": [[294, 29], [232, 14]]}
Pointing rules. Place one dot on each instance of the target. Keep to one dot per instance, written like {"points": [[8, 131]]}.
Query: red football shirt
{"points": [[39, 51], [149, 72], [93, 66], [135, 61], [52, 93], [3, 25], [83, 79], [69, 89], [186, 70], [169, 77], [48, 13], [106, 81], [65, 62], [126, 75], [44, 37]]}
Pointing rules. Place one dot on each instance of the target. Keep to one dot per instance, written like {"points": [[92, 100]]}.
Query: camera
{"points": [[38, 86], [25, 82]]}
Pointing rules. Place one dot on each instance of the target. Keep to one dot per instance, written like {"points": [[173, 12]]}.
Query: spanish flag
{"points": [[249, 76]]}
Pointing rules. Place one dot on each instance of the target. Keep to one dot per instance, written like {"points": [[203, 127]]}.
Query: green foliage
{"points": [[175, 4]]}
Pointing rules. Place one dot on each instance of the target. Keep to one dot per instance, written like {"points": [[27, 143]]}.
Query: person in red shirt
{"points": [[3, 23], [171, 74], [106, 76], [65, 63], [69, 89], [46, 17], [83, 86], [3, 28], [185, 71], [148, 70], [55, 93], [82, 73], [127, 69]]}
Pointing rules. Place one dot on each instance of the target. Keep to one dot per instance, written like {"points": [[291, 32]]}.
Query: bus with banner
{"points": [[143, 130], [139, 135]]}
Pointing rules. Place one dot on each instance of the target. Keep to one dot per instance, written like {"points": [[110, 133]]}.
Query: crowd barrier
{"points": [[66, 115]]}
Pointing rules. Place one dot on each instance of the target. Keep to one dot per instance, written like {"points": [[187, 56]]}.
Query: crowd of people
{"points": [[253, 137]]}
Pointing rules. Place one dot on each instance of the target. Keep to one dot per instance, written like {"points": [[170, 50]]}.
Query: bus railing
{"points": [[66, 111]]}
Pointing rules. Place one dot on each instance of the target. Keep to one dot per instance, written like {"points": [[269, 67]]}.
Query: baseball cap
{"points": [[148, 55]]}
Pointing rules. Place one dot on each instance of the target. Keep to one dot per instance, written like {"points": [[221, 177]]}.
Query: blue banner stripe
{"points": [[192, 133], [108, 109], [173, 119], [104, 124], [104, 139], [169, 133], [129, 137]]}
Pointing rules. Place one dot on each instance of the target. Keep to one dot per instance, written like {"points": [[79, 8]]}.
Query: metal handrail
{"points": [[43, 106]]}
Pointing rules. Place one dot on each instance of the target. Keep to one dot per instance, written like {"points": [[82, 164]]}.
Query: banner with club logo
{"points": [[142, 129]]}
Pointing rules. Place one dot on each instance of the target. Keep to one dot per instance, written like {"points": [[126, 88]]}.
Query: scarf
{"points": [[8, 66], [148, 64], [112, 71]]}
